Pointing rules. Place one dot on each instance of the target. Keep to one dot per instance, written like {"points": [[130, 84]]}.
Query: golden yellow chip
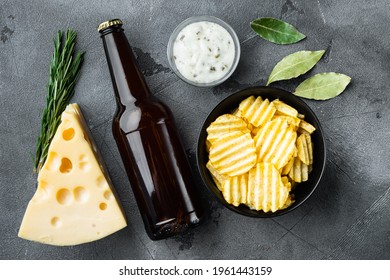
{"points": [[265, 188], [217, 183], [286, 182], [233, 154], [294, 121], [290, 200], [245, 104], [259, 112], [275, 143], [304, 172], [217, 177], [235, 189], [284, 109], [299, 172], [259, 153], [223, 125], [286, 169], [310, 148], [305, 127], [208, 145], [237, 113], [303, 151]]}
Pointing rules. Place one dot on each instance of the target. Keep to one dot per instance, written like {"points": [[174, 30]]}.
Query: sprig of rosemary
{"points": [[64, 71]]}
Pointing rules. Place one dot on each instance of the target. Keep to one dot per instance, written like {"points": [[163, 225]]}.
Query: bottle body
{"points": [[150, 147]]}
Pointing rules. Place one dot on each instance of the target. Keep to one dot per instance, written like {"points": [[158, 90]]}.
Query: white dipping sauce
{"points": [[203, 52]]}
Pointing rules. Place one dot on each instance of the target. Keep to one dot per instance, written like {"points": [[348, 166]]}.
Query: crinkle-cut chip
{"points": [[265, 188], [259, 112], [303, 151], [237, 113], [286, 182], [294, 121], [217, 183], [299, 172], [225, 124], [235, 189], [309, 147], [217, 177], [245, 104], [305, 127], [295, 153], [284, 109], [290, 200], [233, 154], [275, 143], [208, 145], [304, 172], [286, 169]]}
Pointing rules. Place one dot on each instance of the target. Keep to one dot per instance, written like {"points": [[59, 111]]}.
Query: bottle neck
{"points": [[128, 82]]}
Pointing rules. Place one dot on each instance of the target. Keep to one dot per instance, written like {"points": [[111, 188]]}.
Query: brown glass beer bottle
{"points": [[148, 142]]}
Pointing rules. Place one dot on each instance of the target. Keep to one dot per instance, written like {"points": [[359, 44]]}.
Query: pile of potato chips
{"points": [[259, 153]]}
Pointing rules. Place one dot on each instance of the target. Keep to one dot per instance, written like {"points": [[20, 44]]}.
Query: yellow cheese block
{"points": [[75, 201]]}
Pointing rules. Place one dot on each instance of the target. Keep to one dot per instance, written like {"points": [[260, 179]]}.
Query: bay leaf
{"points": [[276, 31], [294, 65], [323, 86]]}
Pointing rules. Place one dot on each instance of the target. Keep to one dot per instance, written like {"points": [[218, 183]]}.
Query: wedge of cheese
{"points": [[75, 201]]}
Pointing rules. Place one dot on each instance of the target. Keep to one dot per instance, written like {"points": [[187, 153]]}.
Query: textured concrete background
{"points": [[348, 217]]}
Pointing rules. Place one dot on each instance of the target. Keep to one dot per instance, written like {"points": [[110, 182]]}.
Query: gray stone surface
{"points": [[348, 217]]}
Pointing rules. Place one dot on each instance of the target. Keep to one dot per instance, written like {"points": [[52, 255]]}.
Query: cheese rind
{"points": [[75, 201]]}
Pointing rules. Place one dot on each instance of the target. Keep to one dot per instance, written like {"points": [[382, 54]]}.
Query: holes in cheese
{"points": [[66, 165], [55, 222], [84, 164], [68, 134], [107, 194], [101, 182], [80, 194], [64, 196], [103, 206], [74, 190], [42, 191], [53, 161]]}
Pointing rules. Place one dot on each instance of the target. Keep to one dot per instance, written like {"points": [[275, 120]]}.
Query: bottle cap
{"points": [[106, 24]]}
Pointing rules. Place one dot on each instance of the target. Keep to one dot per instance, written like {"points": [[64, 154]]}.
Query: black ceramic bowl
{"points": [[303, 191]]}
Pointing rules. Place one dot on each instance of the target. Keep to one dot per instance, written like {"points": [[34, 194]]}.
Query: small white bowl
{"points": [[212, 19]]}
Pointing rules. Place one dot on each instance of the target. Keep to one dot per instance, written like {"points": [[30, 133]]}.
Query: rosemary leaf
{"points": [[64, 70]]}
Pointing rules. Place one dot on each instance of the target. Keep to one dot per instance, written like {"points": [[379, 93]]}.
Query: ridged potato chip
{"points": [[303, 150], [286, 182], [290, 199], [305, 127], [245, 104], [233, 154], [259, 112], [225, 124], [235, 189], [217, 177], [237, 113], [265, 188], [293, 121], [310, 148], [275, 143], [284, 109], [299, 172], [286, 169], [259, 153]]}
